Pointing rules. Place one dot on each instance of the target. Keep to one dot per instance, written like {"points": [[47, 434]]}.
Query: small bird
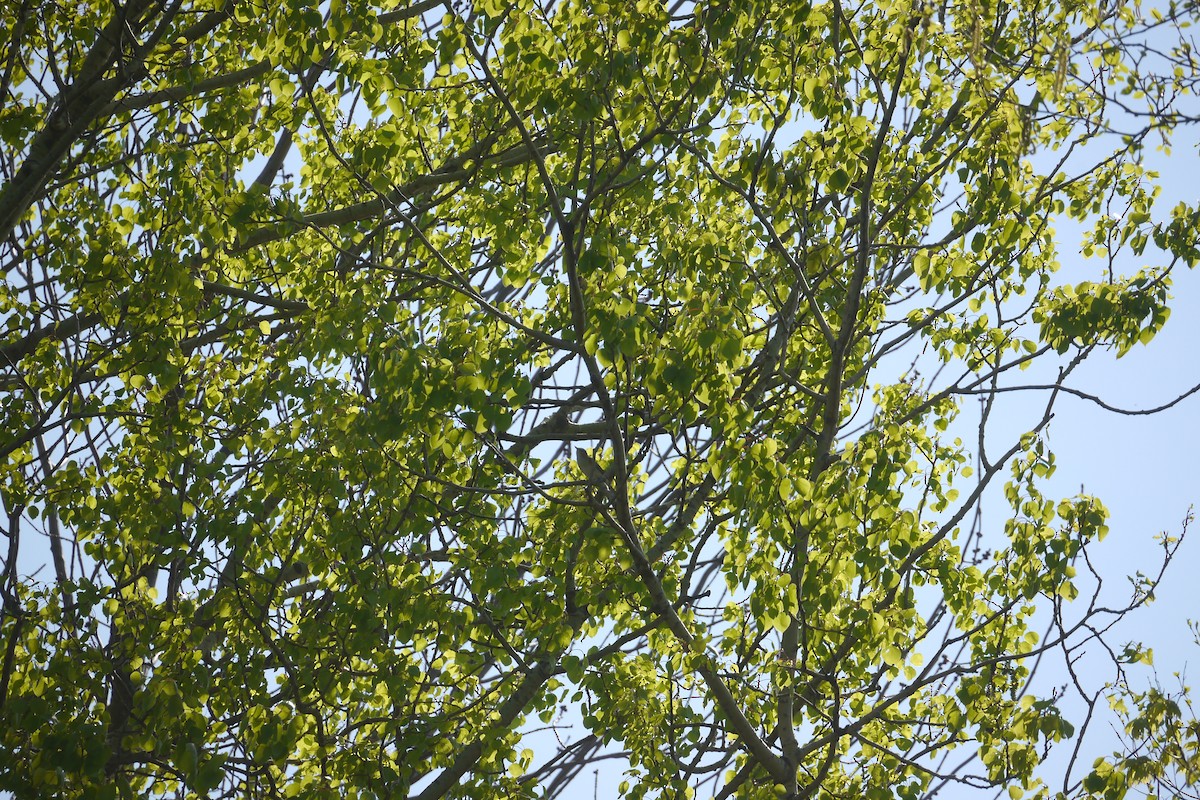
{"points": [[599, 477], [591, 469]]}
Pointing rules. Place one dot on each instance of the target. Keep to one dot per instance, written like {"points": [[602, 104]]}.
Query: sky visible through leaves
{"points": [[326, 427]]}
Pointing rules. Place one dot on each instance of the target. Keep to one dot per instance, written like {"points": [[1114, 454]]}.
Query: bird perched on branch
{"points": [[597, 475], [591, 468]]}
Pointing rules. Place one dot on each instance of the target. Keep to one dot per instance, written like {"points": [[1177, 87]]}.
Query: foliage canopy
{"points": [[382, 381]]}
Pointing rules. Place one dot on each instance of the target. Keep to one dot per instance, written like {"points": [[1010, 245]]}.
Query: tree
{"points": [[381, 382]]}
